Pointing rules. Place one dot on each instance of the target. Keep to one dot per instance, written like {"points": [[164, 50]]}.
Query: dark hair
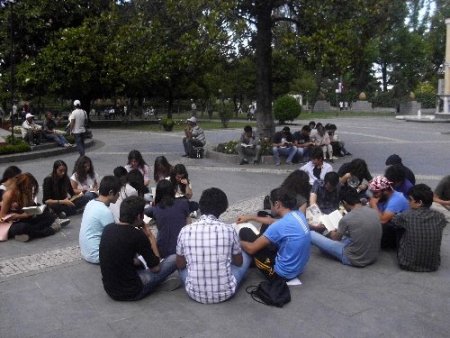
{"points": [[395, 173], [136, 180], [306, 128], [107, 184], [79, 171], [213, 202], [179, 169], [298, 182], [332, 178], [422, 192], [60, 185], [312, 124], [349, 195], [286, 129], [316, 153], [248, 129], [121, 173], [130, 208], [10, 172], [287, 198], [358, 167], [320, 129], [165, 194], [161, 168], [26, 189], [136, 155]]}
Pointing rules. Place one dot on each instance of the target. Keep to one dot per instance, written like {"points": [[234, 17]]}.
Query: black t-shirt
{"points": [[279, 135], [118, 247], [60, 191]]}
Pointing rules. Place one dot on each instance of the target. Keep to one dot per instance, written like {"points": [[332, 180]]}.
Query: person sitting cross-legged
{"points": [[356, 241], [249, 149], [124, 278], [326, 193], [209, 258], [282, 145], [290, 235], [316, 168], [420, 242]]}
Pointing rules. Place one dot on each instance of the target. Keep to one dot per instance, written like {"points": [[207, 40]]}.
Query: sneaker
{"points": [[62, 214], [67, 145], [22, 238], [64, 222], [289, 163], [56, 226], [334, 158], [244, 161]]}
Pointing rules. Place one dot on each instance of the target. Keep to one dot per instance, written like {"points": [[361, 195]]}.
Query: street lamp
{"points": [[12, 61]]}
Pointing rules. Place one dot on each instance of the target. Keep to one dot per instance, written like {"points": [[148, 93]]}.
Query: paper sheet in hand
{"points": [[34, 210], [239, 226]]}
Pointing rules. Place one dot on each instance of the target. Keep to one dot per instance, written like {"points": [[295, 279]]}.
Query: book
{"points": [[245, 145], [75, 197], [34, 210], [315, 217], [239, 226]]}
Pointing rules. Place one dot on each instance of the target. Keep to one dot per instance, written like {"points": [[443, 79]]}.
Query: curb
{"points": [[31, 155], [232, 158]]}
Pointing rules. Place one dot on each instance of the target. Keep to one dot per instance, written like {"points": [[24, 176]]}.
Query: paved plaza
{"points": [[47, 291]]}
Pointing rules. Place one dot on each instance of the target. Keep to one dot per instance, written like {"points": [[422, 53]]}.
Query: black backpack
{"points": [[274, 292]]}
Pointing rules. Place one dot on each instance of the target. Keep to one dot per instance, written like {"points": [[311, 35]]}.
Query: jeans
{"points": [[59, 139], [79, 140], [333, 248], [150, 279], [288, 152], [237, 271]]}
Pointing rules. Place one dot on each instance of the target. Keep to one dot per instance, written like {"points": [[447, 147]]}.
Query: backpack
{"points": [[274, 292]]}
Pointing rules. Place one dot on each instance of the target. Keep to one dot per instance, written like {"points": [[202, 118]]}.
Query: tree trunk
{"points": [[384, 74], [264, 118]]}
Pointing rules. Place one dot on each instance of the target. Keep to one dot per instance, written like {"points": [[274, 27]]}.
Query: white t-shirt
{"points": [[88, 184], [79, 115], [125, 192]]}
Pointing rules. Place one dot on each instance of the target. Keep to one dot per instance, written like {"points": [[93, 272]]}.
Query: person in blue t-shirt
{"points": [[289, 236], [388, 203]]}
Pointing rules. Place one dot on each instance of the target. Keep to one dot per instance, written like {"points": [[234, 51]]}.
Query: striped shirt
{"points": [[208, 246]]}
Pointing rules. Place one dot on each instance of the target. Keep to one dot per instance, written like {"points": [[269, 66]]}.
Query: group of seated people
{"points": [[34, 133], [212, 257], [296, 147]]}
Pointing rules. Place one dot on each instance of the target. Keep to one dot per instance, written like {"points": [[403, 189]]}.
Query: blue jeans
{"points": [[237, 271], [288, 152], [60, 139], [150, 279], [79, 140], [332, 248]]}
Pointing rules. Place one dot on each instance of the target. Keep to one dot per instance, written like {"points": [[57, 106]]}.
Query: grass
{"points": [[205, 124]]}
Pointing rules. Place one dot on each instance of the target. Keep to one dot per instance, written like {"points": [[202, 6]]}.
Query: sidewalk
{"points": [[47, 291]]}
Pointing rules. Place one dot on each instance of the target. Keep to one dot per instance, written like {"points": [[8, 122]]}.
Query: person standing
{"points": [[77, 127]]}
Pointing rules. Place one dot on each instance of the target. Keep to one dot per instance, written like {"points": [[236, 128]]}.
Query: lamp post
{"points": [[12, 61]]}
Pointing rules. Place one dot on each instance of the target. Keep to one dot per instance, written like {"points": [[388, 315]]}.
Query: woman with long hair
{"points": [[161, 169], [126, 190], [84, 180], [136, 161], [8, 175], [298, 182], [58, 193], [180, 180], [355, 174], [170, 214], [21, 193]]}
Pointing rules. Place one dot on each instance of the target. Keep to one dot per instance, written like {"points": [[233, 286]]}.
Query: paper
{"points": [[147, 219], [34, 210], [315, 217]]}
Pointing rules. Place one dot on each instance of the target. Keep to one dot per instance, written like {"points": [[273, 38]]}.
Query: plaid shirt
{"points": [[208, 246], [420, 245]]}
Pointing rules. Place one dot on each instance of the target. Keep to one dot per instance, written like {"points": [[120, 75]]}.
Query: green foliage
{"points": [[384, 99], [14, 146], [167, 123], [426, 95], [286, 108], [227, 147]]}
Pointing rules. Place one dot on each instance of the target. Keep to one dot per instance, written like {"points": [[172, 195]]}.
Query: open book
{"points": [[34, 210], [316, 217], [245, 145], [239, 226]]}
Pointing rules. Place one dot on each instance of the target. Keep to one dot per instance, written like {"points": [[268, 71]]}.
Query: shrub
{"points": [[18, 146], [286, 108], [227, 148]]}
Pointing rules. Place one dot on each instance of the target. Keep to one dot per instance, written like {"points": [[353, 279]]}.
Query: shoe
{"points": [[289, 163], [348, 154], [277, 164], [243, 162], [32, 144], [255, 162], [56, 226], [67, 145], [22, 238], [334, 158], [170, 284], [64, 222], [62, 214]]}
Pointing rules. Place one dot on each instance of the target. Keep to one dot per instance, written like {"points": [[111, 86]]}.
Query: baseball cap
{"points": [[192, 119], [77, 103], [29, 115]]}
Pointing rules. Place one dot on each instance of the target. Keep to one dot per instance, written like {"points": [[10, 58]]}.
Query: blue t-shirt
{"points": [[293, 241], [404, 187], [96, 217], [396, 204]]}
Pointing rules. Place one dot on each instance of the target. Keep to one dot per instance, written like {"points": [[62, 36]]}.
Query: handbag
{"points": [[273, 292]]}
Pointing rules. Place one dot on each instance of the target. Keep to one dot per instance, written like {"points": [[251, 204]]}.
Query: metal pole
{"points": [[12, 71]]}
